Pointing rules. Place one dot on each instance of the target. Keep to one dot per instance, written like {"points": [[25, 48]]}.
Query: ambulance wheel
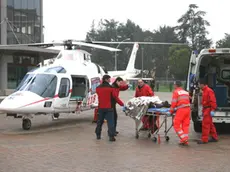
{"points": [[26, 124], [197, 126], [149, 135], [154, 139], [167, 138], [137, 136]]}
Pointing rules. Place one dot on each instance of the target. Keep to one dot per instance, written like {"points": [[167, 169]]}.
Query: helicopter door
{"points": [[63, 93]]}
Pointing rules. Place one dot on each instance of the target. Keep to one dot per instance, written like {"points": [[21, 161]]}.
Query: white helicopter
{"points": [[68, 85]]}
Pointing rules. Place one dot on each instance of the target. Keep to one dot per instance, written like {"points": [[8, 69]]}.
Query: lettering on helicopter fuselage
{"points": [[48, 104], [91, 99]]}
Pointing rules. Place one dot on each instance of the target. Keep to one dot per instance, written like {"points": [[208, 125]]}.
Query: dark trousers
{"points": [[115, 118], [107, 114]]}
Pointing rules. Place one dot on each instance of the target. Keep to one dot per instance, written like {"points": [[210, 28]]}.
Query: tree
{"points": [[178, 61], [192, 28], [225, 42]]}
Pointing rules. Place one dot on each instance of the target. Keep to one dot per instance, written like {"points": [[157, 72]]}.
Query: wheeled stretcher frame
{"points": [[155, 114]]}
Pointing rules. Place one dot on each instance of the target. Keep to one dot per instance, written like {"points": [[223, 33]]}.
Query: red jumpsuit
{"points": [[209, 104], [181, 101], [145, 91]]}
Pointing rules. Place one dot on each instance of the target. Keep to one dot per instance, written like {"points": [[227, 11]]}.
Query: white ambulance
{"points": [[214, 66]]}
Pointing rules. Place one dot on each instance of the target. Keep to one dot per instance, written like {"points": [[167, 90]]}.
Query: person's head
{"points": [[140, 83], [106, 78], [118, 81], [177, 84], [202, 83]]}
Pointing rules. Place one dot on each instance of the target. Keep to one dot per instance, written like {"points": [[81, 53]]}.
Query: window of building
{"points": [[30, 4], [25, 18], [16, 73], [10, 3], [17, 4], [24, 4], [37, 5]]}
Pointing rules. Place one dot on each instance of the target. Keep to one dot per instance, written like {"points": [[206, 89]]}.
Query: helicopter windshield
{"points": [[43, 85], [27, 78]]}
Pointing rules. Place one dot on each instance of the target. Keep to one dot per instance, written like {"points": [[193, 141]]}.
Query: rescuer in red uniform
{"points": [[143, 89], [181, 105], [209, 106], [119, 85], [106, 95]]}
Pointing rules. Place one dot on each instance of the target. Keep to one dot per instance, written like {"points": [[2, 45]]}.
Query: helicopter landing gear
{"points": [[55, 116], [26, 123]]}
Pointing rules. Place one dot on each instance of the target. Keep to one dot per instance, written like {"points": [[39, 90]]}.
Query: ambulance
{"points": [[213, 65]]}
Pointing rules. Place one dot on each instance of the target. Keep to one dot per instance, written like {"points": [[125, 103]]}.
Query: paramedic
{"points": [[106, 93], [209, 106], [119, 85], [143, 89], [181, 105]]}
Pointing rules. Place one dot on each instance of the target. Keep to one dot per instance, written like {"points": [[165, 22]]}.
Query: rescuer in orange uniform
{"points": [[181, 105], [209, 106]]}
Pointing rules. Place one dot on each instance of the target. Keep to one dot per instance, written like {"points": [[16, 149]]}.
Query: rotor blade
{"points": [[96, 46], [37, 44], [153, 43]]}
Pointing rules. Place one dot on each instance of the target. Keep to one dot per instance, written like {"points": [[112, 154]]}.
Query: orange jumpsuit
{"points": [[209, 104], [181, 104]]}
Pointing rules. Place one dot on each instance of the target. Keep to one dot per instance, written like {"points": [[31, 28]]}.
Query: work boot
{"points": [[98, 137], [201, 142], [116, 133], [183, 143], [112, 139], [212, 140]]}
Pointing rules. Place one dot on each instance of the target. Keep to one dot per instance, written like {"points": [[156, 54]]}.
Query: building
{"points": [[21, 23]]}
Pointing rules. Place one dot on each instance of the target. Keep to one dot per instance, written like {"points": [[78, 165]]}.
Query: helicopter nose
{"points": [[15, 103], [9, 105]]}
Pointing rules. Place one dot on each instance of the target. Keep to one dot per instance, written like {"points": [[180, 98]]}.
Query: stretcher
{"points": [[154, 116]]}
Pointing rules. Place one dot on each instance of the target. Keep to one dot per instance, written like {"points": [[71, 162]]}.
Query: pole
{"points": [[142, 57], [115, 67]]}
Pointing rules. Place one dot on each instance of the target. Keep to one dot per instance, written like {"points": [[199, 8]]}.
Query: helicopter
{"points": [[66, 86]]}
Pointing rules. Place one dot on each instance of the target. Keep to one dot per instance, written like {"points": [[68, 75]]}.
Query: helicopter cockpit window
{"points": [[58, 69], [43, 85], [27, 78]]}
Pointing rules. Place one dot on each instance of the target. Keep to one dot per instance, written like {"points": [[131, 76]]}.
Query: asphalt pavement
{"points": [[69, 144]]}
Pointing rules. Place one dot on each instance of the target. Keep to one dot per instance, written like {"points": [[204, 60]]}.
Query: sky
{"points": [[71, 19]]}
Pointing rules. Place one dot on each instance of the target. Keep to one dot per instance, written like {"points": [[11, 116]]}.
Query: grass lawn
{"points": [[164, 88]]}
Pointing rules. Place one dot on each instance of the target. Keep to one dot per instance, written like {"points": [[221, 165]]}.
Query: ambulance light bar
{"points": [[212, 50]]}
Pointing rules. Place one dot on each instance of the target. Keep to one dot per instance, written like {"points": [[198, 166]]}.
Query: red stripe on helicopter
{"points": [[39, 101]]}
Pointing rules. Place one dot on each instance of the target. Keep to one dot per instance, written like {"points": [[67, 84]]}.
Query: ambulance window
{"points": [[64, 88], [225, 74]]}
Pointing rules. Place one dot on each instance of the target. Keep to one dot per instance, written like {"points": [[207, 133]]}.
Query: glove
{"points": [[212, 113], [123, 108], [168, 113]]}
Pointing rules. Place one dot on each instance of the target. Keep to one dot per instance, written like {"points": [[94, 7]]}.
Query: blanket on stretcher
{"points": [[137, 108], [144, 104]]}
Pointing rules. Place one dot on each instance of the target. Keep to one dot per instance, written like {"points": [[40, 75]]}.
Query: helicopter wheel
{"points": [[26, 124], [55, 116]]}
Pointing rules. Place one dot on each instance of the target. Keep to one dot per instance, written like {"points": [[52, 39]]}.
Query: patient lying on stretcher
{"points": [[135, 104]]}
